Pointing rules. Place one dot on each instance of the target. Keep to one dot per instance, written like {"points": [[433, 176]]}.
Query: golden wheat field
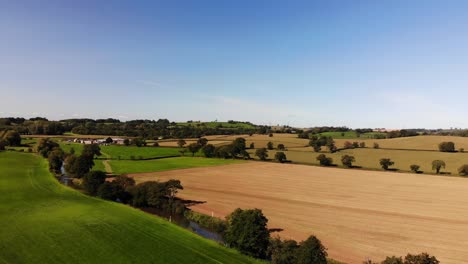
{"points": [[356, 213]]}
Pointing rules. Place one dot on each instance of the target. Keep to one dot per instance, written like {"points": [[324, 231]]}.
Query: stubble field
{"points": [[357, 214]]}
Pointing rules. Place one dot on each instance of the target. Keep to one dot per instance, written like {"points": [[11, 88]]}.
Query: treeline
{"points": [[149, 129]]}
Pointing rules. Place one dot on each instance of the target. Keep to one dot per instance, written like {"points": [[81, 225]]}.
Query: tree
{"points": [[262, 153], [92, 180], [181, 143], [55, 158], [355, 144], [156, 144], [139, 142], [270, 135], [362, 144], [252, 145], [124, 181], [463, 170], [109, 140], [45, 146], [209, 150], [348, 145], [422, 258], [281, 147], [324, 160], [348, 160], [126, 142], [112, 191], [393, 260], [330, 143], [13, 138], [280, 157], [311, 251], [437, 165], [3, 143], [247, 232], [194, 148], [376, 145], [78, 166], [283, 252], [415, 168], [91, 150], [385, 163], [447, 147], [202, 142], [270, 145]]}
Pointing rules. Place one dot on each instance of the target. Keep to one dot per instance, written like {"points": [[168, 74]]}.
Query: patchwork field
{"points": [[45, 222], [357, 214]]}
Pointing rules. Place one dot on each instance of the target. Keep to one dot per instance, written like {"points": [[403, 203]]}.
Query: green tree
{"points": [[45, 146], [252, 145], [355, 144], [92, 180], [348, 160], [209, 150], [415, 168], [437, 165], [330, 143], [281, 147], [283, 252], [324, 160], [78, 166], [270, 145], [55, 159], [3, 144], [311, 251], [91, 150], [13, 138], [262, 153], [126, 142], [393, 260], [447, 147], [422, 258], [109, 140], [280, 157], [202, 142], [247, 232], [181, 143], [385, 163], [194, 148]]}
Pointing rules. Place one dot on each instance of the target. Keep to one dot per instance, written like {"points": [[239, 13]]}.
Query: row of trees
{"points": [[422, 258], [9, 138]]}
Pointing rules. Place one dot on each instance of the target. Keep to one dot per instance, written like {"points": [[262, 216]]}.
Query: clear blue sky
{"points": [[394, 64]]}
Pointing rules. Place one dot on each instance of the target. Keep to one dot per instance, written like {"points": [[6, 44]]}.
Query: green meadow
{"points": [[139, 166], [126, 152], [45, 222]]}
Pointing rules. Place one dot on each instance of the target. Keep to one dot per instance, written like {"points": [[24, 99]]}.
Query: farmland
{"points": [[44, 222], [126, 152], [138, 166], [357, 214]]}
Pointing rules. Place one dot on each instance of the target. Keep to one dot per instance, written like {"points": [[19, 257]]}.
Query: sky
{"points": [[390, 63]]}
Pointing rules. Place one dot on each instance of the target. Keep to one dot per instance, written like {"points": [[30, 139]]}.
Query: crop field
{"points": [[45, 222], [217, 124], [369, 158], [350, 135], [137, 166], [357, 214]]}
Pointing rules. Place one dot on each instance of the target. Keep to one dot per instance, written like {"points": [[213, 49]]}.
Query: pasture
{"points": [[140, 166], [356, 213], [45, 222], [126, 152]]}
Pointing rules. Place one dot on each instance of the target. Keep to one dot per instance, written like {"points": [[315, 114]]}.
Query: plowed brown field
{"points": [[357, 214]]}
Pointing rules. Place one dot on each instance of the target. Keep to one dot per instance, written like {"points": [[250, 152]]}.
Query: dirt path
{"points": [[106, 164], [356, 213]]}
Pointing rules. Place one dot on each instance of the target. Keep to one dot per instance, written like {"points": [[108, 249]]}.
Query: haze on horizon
{"points": [[393, 64]]}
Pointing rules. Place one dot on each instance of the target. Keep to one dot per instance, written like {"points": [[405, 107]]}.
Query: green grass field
{"points": [[126, 152], [45, 222], [137, 166]]}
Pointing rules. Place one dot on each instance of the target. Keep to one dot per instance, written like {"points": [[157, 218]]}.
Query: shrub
{"points": [[362, 144], [348, 145], [281, 147], [155, 144], [415, 168], [311, 251], [355, 145], [209, 150], [262, 153], [252, 145], [376, 145]]}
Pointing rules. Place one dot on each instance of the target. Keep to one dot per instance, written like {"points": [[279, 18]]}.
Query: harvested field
{"points": [[357, 214], [173, 143]]}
